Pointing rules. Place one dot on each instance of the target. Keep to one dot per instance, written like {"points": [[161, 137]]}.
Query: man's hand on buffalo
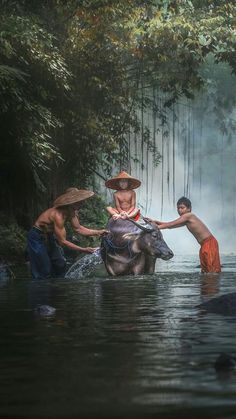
{"points": [[150, 220], [102, 232], [124, 215], [116, 216]]}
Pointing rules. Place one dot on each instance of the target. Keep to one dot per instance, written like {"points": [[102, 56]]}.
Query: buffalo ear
{"points": [[130, 236]]}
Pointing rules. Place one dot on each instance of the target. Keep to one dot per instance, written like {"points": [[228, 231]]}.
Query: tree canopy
{"points": [[71, 75]]}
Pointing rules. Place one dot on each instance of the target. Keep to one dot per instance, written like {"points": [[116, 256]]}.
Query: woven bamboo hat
{"points": [[114, 182], [71, 196]]}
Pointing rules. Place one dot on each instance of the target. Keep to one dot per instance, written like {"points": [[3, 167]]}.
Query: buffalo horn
{"points": [[147, 229]]}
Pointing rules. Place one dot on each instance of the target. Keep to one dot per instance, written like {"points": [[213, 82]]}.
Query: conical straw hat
{"points": [[114, 182], [71, 196]]}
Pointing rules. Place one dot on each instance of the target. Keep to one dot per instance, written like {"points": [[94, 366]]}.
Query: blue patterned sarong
{"points": [[46, 256]]}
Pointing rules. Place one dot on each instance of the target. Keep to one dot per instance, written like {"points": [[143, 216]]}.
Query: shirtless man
{"points": [[209, 251], [124, 197], [48, 234]]}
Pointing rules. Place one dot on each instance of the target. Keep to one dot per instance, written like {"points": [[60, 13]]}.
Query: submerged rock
{"points": [[224, 362], [45, 311], [225, 304]]}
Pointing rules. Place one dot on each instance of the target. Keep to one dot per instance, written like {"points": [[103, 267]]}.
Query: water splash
{"points": [[84, 266]]}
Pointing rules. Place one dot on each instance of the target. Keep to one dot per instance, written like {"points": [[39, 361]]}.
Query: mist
{"points": [[198, 161]]}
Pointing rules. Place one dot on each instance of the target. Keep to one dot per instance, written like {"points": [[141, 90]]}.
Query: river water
{"points": [[117, 347]]}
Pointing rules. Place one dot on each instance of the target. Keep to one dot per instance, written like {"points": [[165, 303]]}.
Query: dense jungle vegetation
{"points": [[70, 79]]}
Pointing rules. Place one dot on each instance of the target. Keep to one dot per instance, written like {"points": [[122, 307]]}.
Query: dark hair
{"points": [[185, 201]]}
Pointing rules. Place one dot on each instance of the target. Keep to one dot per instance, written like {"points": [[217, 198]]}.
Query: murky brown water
{"points": [[124, 347]]}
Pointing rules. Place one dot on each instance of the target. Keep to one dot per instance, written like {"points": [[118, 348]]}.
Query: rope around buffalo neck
{"points": [[110, 245]]}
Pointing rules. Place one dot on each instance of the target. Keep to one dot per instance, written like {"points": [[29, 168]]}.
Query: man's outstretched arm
{"points": [[179, 222], [79, 229], [60, 233]]}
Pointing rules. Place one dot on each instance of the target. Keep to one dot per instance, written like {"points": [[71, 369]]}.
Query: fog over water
{"points": [[198, 161]]}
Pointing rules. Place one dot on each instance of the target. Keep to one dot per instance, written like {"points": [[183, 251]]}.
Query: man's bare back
{"points": [[46, 220]]}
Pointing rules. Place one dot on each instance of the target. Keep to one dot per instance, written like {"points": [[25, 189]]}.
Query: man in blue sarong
{"points": [[48, 235]]}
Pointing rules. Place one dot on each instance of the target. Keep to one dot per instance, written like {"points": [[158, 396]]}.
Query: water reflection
{"points": [[117, 346], [210, 284]]}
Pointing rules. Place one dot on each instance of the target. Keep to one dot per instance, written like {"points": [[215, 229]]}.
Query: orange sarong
{"points": [[209, 255]]}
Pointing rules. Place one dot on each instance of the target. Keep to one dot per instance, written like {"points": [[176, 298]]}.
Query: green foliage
{"points": [[32, 73], [92, 214], [13, 240], [115, 50], [72, 77]]}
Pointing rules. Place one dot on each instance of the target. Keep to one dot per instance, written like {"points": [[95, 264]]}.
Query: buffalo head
{"points": [[150, 241], [132, 247]]}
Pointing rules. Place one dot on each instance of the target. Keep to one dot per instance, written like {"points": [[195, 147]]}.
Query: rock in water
{"points": [[45, 311], [224, 362], [225, 304]]}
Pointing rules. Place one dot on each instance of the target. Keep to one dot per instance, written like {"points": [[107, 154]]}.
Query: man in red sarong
{"points": [[209, 251]]}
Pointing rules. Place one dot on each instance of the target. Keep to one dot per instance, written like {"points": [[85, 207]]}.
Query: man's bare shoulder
{"points": [[55, 214], [47, 217], [192, 217], [188, 216]]}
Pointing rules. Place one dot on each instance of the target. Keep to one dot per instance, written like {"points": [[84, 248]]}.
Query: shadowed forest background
{"points": [[88, 88]]}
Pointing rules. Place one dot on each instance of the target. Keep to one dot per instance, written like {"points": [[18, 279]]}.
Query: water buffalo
{"points": [[132, 247]]}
